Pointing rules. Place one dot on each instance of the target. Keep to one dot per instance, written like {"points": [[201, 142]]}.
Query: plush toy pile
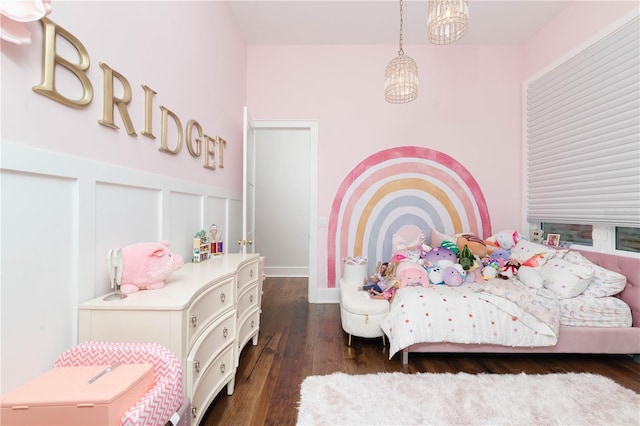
{"points": [[450, 260]]}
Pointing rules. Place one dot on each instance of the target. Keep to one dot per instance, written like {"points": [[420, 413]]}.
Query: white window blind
{"points": [[583, 135]]}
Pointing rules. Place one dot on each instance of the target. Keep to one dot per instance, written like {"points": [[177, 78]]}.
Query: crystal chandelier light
{"points": [[448, 20], [401, 76]]}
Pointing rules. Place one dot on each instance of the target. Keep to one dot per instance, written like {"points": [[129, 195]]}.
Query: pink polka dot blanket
{"points": [[495, 312]]}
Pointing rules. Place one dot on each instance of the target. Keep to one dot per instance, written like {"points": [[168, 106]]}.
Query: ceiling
{"points": [[378, 21]]}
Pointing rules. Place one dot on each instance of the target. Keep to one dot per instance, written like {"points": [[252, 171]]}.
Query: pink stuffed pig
{"points": [[147, 266], [410, 273]]}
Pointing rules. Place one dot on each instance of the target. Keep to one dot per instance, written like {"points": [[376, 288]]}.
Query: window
{"points": [[582, 144], [575, 234], [628, 239]]}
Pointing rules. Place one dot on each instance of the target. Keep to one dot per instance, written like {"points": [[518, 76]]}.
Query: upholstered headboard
{"points": [[406, 185]]}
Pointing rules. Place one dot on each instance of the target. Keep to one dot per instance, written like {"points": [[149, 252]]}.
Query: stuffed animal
{"points": [[466, 258], [452, 277], [434, 273], [503, 239], [438, 254], [500, 254], [473, 243], [489, 273], [147, 266], [410, 273]]}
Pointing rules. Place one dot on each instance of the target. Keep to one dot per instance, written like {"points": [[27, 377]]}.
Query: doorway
{"points": [[286, 194]]}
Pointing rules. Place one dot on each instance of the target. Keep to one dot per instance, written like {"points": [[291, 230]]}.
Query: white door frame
{"points": [[248, 184], [312, 127]]}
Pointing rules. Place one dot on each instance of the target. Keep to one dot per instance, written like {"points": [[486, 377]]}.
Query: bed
{"points": [[512, 316], [431, 191]]}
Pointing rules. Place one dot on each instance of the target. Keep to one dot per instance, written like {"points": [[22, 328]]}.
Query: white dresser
{"points": [[205, 314]]}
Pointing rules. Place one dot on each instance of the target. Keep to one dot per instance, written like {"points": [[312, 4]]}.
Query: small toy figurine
{"points": [[389, 293], [376, 281], [213, 230]]}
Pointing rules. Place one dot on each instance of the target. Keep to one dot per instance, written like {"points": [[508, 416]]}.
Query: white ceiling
{"points": [[378, 21]]}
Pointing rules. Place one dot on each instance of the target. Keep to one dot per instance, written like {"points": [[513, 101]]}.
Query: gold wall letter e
{"points": [[50, 59]]}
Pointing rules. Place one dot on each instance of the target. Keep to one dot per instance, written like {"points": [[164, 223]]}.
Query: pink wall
{"points": [[577, 23], [190, 53], [468, 107]]}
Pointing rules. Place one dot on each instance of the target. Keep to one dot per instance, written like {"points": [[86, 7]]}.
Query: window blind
{"points": [[583, 135]]}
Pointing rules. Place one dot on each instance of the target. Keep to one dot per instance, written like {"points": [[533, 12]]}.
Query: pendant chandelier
{"points": [[448, 20], [401, 76]]}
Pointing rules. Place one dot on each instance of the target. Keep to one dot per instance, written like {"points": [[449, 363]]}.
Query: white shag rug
{"points": [[466, 399]]}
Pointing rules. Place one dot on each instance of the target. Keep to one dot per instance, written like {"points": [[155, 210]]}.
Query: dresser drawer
{"points": [[217, 374], [207, 307], [248, 327], [247, 300], [247, 274], [218, 337]]}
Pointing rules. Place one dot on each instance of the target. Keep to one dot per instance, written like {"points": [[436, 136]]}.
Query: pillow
{"points": [[438, 238], [533, 254], [398, 243], [530, 277], [565, 279], [605, 282]]}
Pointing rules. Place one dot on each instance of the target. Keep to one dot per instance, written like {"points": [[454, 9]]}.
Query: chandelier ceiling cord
{"points": [[401, 75]]}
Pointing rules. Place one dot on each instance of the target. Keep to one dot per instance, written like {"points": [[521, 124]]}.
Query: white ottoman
{"points": [[361, 315]]}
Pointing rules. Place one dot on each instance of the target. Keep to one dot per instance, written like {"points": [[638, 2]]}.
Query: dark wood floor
{"points": [[298, 339]]}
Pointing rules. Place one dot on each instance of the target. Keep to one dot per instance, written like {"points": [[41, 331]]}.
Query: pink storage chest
{"points": [[64, 396]]}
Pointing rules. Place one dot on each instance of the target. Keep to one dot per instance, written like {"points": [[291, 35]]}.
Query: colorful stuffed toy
{"points": [[452, 277], [473, 243], [410, 273], [439, 254], [147, 266], [466, 258], [504, 239]]}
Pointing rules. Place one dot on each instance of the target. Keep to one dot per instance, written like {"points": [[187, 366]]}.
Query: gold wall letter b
{"points": [[50, 59]]}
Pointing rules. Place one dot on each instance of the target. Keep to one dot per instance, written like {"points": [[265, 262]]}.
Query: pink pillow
{"points": [[438, 237]]}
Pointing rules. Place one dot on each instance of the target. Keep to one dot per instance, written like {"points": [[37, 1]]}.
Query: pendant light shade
{"points": [[448, 20], [401, 80], [401, 76]]}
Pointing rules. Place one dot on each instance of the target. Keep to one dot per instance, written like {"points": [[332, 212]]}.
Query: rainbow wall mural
{"points": [[396, 187]]}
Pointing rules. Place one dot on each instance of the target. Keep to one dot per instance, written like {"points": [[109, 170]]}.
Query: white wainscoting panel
{"points": [[39, 278], [234, 215], [60, 216], [186, 218], [124, 215]]}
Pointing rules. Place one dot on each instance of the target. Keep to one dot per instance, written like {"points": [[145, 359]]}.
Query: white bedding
{"points": [[588, 311], [466, 315]]}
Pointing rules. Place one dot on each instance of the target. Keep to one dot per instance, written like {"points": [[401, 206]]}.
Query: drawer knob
{"points": [[223, 368], [251, 298], [194, 320], [223, 297], [225, 332], [251, 273], [253, 323], [194, 412], [196, 366]]}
